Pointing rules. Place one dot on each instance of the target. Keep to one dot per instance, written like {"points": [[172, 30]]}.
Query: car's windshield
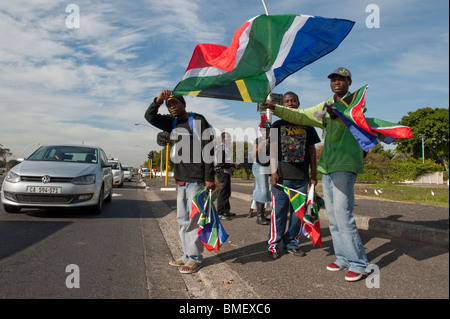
{"points": [[115, 165], [77, 154]]}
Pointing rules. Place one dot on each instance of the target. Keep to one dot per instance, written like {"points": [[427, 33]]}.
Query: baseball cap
{"points": [[178, 97], [342, 72]]}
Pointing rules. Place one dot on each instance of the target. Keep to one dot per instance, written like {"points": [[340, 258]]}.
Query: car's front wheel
{"points": [[97, 209], [109, 197]]}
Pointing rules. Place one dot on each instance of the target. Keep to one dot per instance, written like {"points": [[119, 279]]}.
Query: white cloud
{"points": [[181, 21], [420, 61]]}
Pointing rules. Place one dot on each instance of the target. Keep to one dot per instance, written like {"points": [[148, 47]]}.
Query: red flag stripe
{"points": [[357, 114], [218, 56], [395, 131]]}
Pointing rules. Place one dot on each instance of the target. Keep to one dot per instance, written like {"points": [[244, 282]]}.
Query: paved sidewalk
{"points": [[241, 269], [429, 224]]}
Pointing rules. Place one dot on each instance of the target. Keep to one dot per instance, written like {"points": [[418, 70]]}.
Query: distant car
{"points": [[127, 173], [59, 176], [145, 172], [118, 175]]}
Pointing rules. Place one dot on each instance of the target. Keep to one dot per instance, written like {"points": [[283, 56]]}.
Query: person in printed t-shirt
{"points": [[296, 153]]}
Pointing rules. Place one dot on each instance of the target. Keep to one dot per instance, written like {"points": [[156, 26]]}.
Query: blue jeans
{"points": [[280, 210], [261, 191], [338, 190], [191, 245]]}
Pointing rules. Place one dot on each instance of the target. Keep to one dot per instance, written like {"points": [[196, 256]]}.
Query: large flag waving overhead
{"points": [[263, 52], [367, 131]]}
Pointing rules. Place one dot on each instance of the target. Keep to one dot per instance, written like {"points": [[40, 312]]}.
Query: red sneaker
{"points": [[353, 276], [334, 267]]}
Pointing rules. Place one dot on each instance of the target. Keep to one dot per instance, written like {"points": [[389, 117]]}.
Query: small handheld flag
{"points": [[311, 223], [265, 123], [367, 131], [297, 200], [211, 231], [307, 210]]}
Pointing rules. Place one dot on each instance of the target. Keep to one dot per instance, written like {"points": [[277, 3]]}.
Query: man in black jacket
{"points": [[192, 171], [223, 167]]}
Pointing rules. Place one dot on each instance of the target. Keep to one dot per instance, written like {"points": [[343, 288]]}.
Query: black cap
{"points": [[342, 72], [178, 97]]}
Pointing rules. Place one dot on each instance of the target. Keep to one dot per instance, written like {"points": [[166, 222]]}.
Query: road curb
{"points": [[217, 280], [438, 237]]}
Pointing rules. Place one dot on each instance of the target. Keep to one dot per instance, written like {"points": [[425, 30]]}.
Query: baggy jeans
{"points": [[338, 190], [191, 245]]}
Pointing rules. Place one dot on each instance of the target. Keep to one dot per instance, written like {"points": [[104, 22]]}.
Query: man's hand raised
{"points": [[163, 96]]}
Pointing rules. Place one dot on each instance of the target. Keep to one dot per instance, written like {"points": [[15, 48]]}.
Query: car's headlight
{"points": [[12, 177], [116, 173], [84, 180]]}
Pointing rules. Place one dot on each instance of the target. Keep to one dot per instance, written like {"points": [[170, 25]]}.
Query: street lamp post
{"points": [[147, 125]]}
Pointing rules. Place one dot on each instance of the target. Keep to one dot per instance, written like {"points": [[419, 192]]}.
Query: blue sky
{"points": [[91, 84]]}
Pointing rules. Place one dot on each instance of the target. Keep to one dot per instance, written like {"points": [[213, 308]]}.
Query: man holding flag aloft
{"points": [[340, 162], [191, 175]]}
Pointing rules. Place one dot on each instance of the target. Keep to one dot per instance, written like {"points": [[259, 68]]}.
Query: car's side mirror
{"points": [[106, 164]]}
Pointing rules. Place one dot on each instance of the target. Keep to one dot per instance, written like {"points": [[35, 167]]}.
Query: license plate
{"points": [[44, 189]]}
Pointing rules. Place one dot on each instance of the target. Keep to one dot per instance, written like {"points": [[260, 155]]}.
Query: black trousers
{"points": [[223, 198]]}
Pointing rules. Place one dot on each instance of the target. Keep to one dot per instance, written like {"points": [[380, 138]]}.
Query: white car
{"points": [[117, 170], [127, 173], [145, 172], [59, 176]]}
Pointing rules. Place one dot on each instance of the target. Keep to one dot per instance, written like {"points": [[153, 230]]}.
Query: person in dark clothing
{"points": [[193, 169], [223, 168], [296, 153], [261, 171]]}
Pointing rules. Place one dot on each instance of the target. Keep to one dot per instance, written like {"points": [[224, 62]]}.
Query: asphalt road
{"points": [[42, 251]]}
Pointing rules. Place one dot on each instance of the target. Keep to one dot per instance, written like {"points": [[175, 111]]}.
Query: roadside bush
{"points": [[370, 175], [410, 169], [378, 169], [242, 173], [397, 170]]}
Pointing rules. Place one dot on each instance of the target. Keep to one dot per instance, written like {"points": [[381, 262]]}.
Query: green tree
{"points": [[378, 162], [240, 156], [431, 125], [4, 154], [156, 163]]}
